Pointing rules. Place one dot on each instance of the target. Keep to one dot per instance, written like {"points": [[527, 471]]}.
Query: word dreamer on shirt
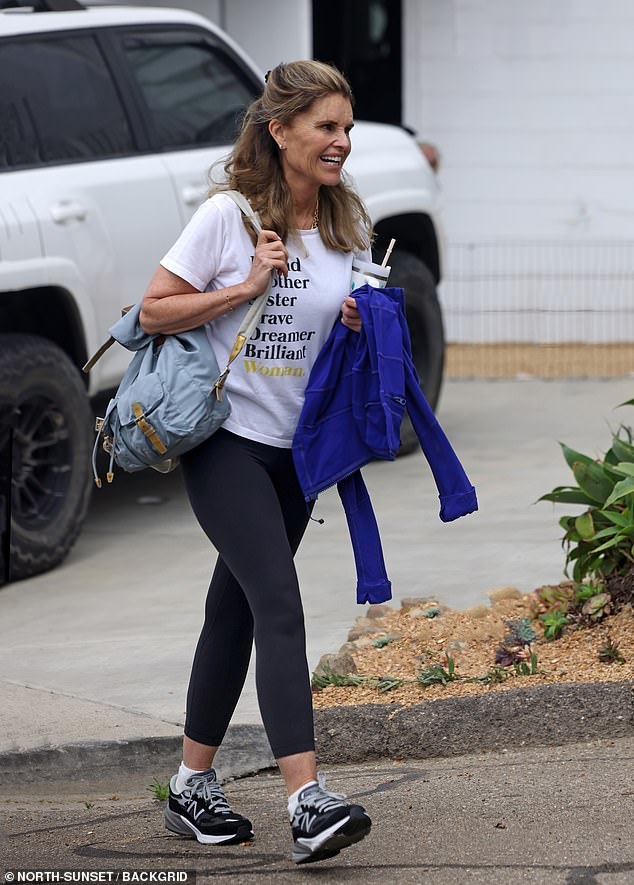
{"points": [[276, 337]]}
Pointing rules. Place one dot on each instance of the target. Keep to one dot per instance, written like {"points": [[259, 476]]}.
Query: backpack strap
{"points": [[250, 321], [252, 317]]}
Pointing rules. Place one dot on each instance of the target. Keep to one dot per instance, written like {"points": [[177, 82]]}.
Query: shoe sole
{"points": [[352, 830], [177, 823]]}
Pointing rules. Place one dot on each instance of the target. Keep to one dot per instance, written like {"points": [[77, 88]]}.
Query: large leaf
{"points": [[607, 533], [627, 532], [567, 495], [621, 489], [573, 457], [592, 479], [623, 450], [608, 544], [585, 526], [620, 519], [625, 467]]}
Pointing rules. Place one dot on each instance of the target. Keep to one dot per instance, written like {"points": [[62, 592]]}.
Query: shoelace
{"points": [[319, 800], [211, 791]]}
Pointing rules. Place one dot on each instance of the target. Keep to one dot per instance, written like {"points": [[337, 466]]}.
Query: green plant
{"points": [[523, 669], [609, 653], [550, 597], [554, 622], [493, 676], [387, 683], [382, 641], [160, 791], [436, 674], [583, 592], [599, 542], [597, 606], [89, 805], [326, 676], [432, 612]]}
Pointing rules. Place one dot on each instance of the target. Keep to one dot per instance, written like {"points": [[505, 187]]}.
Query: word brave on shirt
{"points": [[272, 339]]}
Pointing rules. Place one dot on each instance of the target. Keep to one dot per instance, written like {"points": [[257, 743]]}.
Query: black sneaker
{"points": [[201, 811], [324, 823]]}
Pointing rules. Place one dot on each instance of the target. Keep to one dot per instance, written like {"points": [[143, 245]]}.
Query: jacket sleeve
{"points": [[372, 581], [457, 495]]}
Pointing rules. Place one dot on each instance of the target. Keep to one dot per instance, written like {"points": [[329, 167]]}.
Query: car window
{"points": [[58, 103], [194, 92]]}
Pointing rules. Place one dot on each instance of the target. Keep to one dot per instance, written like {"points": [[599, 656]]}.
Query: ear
{"points": [[276, 128]]}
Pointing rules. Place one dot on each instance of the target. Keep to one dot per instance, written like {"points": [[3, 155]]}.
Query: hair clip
{"points": [[266, 77]]}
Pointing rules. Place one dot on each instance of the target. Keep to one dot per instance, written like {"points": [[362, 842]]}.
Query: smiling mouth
{"points": [[332, 161]]}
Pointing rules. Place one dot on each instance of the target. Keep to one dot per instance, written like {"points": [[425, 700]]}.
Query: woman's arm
{"points": [[172, 305]]}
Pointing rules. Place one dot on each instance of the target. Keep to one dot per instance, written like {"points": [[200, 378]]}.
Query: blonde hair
{"points": [[253, 166]]}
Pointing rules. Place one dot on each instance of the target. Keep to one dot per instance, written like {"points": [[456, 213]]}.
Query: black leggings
{"points": [[248, 501]]}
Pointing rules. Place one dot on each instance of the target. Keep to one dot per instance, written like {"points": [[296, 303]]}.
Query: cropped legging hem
{"points": [[247, 499]]}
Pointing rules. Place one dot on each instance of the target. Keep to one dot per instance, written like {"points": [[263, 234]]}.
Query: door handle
{"points": [[67, 210], [194, 194]]}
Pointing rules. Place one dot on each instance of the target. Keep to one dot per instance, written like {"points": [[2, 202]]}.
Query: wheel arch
{"points": [[47, 311], [414, 232]]}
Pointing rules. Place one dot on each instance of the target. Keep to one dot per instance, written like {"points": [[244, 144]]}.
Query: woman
{"points": [[241, 483]]}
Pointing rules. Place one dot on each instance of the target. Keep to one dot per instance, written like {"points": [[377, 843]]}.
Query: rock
{"points": [[424, 602], [341, 664], [362, 626], [362, 642], [348, 648], [416, 612], [477, 612], [380, 610], [500, 593]]}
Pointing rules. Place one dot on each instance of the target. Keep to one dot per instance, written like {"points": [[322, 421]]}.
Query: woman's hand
{"points": [[350, 316], [270, 255]]}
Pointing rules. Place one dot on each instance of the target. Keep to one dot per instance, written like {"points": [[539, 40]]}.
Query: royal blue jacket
{"points": [[357, 393]]}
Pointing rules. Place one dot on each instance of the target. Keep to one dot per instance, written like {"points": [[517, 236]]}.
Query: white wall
{"points": [[532, 105], [271, 31]]}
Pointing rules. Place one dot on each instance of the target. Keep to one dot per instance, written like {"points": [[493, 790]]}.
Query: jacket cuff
{"points": [[453, 506], [373, 593]]}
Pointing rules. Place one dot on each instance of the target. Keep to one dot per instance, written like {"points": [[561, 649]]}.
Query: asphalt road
{"points": [[558, 816]]}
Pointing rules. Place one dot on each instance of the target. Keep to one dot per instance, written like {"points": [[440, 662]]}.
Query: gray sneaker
{"points": [[324, 823], [201, 811]]}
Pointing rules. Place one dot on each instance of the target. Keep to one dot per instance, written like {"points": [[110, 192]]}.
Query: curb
{"points": [[245, 751], [549, 715], [542, 716]]}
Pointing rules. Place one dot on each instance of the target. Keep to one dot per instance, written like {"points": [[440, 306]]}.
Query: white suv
{"points": [[110, 119]]}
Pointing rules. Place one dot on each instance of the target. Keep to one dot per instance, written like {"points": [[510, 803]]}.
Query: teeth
{"points": [[336, 160]]}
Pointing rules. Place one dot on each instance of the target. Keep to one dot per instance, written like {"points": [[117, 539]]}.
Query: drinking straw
{"points": [[388, 253]]}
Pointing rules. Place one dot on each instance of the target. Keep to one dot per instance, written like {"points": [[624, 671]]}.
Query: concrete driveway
{"points": [[101, 647]]}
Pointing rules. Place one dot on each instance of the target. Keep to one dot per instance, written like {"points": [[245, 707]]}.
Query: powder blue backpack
{"points": [[170, 397]]}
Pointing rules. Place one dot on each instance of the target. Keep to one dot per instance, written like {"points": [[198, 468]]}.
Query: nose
{"points": [[342, 139]]}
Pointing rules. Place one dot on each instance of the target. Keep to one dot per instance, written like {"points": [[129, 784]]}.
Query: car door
{"points": [[194, 87], [106, 209]]}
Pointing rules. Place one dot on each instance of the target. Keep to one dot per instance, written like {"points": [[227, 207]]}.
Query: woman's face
{"points": [[316, 143]]}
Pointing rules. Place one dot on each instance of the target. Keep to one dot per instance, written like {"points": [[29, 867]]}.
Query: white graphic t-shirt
{"points": [[267, 381]]}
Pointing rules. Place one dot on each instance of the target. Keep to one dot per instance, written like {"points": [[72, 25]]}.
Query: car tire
{"points": [[51, 483], [424, 319]]}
